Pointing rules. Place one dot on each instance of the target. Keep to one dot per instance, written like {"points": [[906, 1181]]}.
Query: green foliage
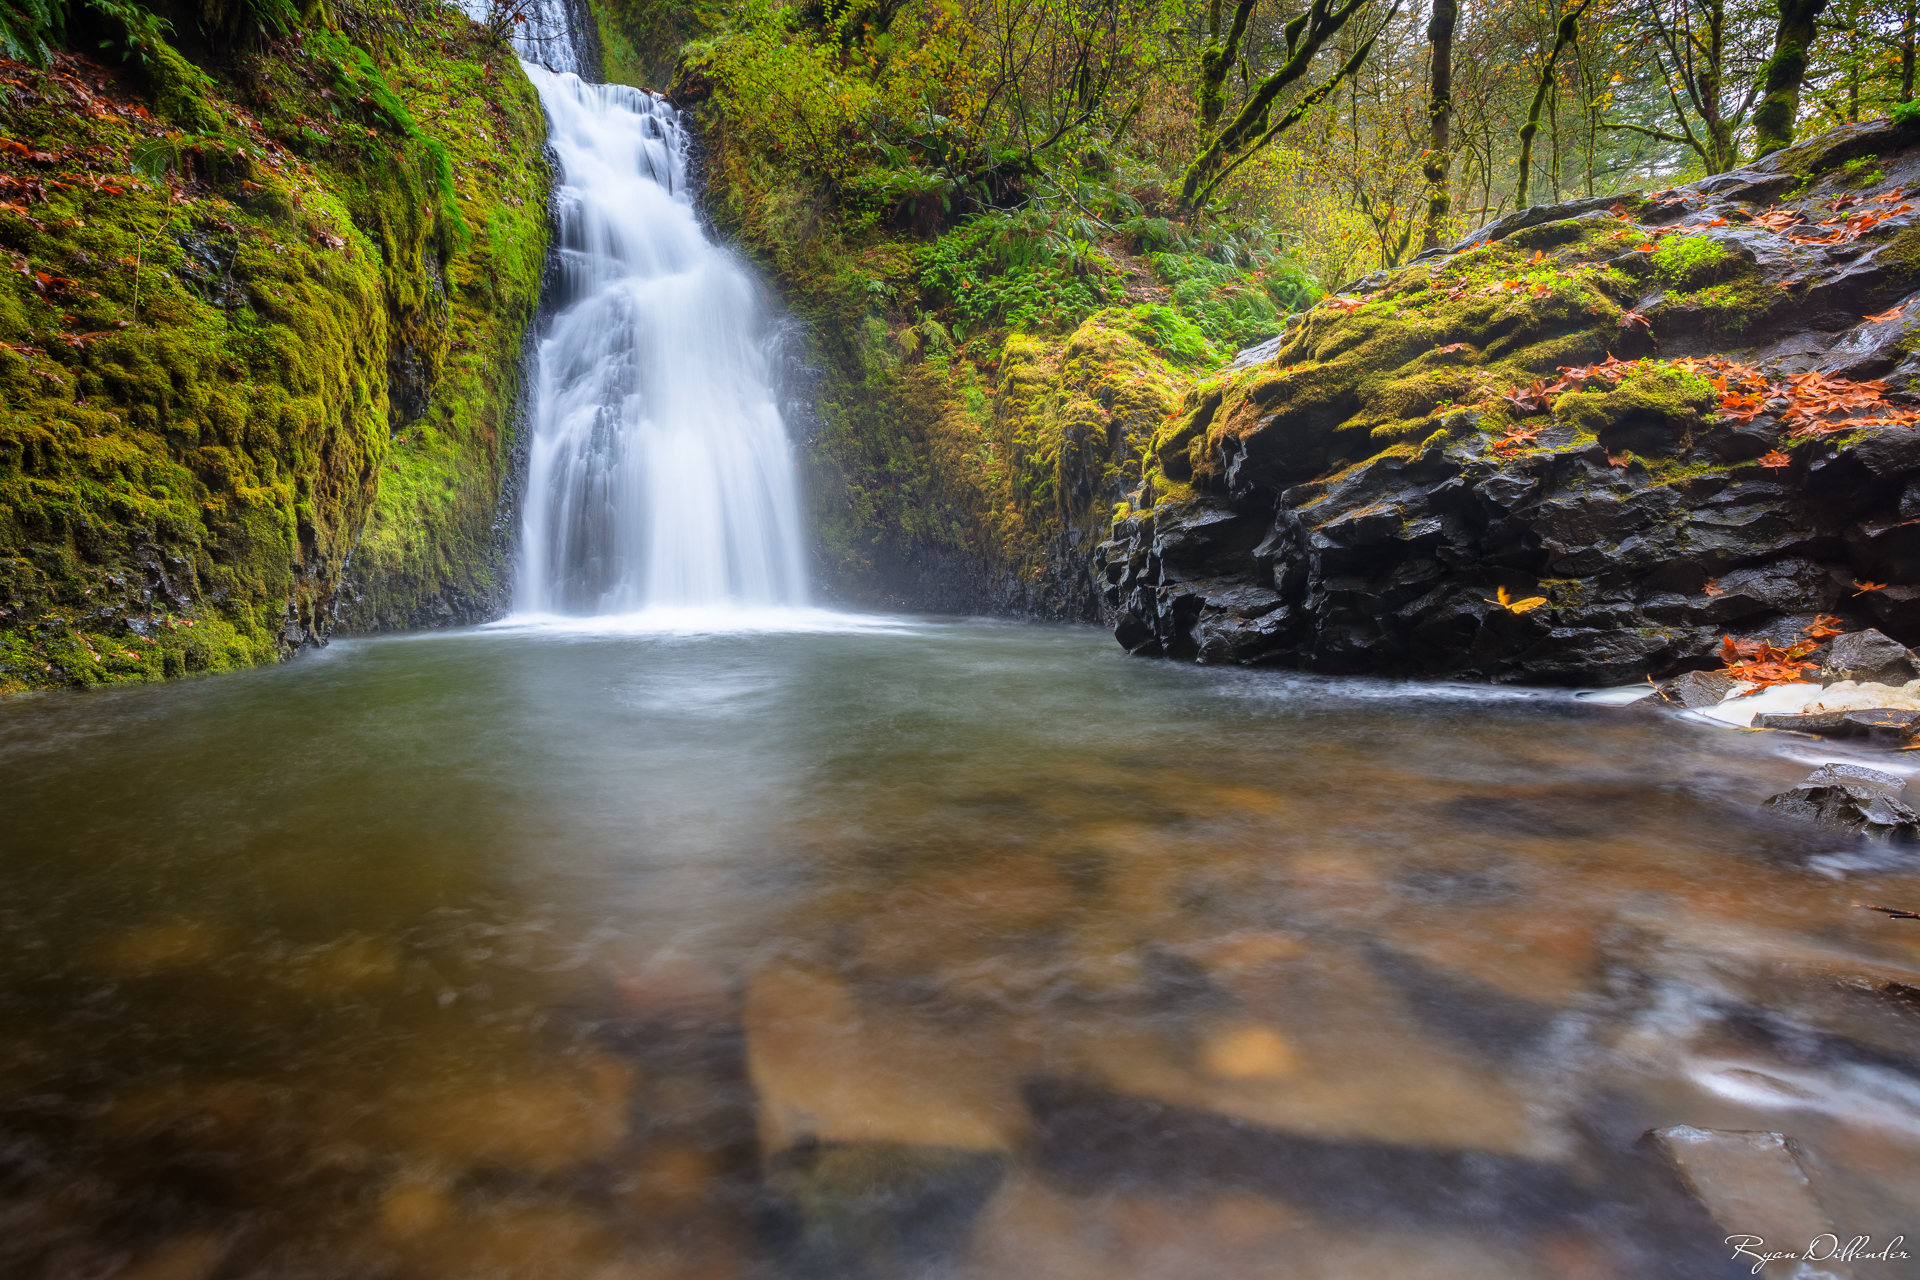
{"points": [[1018, 270], [28, 29], [357, 76], [1168, 331]]}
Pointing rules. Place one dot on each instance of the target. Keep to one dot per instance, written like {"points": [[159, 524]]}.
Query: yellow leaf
{"points": [[1507, 602]]}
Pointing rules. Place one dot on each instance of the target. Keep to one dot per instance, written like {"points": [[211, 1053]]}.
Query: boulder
{"points": [[1850, 798], [1693, 689], [1392, 512], [1869, 655]]}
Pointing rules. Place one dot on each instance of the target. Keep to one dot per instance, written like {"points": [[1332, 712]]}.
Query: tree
{"points": [[1216, 60], [1564, 33], [1253, 126], [1439, 156], [1696, 55], [1780, 79]]}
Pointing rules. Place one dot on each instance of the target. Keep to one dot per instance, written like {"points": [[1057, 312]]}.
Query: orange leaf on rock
{"points": [[1823, 627], [1773, 458]]}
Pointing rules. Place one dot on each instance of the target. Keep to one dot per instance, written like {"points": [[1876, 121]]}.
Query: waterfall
{"points": [[659, 472]]}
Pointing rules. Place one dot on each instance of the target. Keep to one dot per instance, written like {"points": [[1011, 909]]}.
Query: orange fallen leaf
{"points": [[1885, 316], [1865, 587], [1511, 605], [1630, 318], [1713, 587], [1774, 458], [1644, 248], [1823, 627]]}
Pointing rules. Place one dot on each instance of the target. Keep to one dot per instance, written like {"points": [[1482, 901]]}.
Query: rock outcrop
{"points": [[1566, 450], [258, 378], [1853, 799]]}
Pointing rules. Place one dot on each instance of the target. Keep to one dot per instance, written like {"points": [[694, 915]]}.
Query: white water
{"points": [[660, 476]]}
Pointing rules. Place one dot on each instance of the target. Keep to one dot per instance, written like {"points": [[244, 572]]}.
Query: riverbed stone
{"points": [[195, 1256], [825, 1070], [879, 1209], [539, 1123], [1753, 1184], [1869, 656], [1852, 799]]}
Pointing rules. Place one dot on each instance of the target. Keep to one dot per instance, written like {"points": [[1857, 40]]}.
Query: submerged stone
{"points": [[1753, 1185], [878, 1210]]}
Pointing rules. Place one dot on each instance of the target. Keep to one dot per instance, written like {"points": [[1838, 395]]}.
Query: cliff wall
{"points": [[259, 342]]}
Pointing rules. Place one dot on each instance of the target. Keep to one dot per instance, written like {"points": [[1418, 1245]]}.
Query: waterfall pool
{"points": [[831, 946]]}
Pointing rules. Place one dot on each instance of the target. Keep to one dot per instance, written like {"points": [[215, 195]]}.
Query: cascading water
{"points": [[660, 475]]}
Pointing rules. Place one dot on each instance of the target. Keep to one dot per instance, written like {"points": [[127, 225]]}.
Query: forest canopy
{"points": [[1340, 135]]}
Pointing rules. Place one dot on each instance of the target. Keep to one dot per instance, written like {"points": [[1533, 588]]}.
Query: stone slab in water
{"points": [[825, 1072], [1752, 1184]]}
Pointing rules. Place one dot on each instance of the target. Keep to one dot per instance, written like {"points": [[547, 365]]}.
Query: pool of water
{"points": [[901, 947]]}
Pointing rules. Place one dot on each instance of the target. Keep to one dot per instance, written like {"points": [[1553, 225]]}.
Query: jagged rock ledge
{"points": [[1357, 499]]}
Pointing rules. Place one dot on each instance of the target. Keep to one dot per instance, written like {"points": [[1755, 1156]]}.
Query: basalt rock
{"points": [[1869, 655], [1390, 490], [1852, 799]]}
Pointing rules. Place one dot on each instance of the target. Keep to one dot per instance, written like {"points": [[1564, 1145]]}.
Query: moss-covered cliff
{"points": [[258, 341]]}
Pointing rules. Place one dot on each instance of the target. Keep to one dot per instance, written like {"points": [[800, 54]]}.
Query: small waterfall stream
{"points": [[660, 475]]}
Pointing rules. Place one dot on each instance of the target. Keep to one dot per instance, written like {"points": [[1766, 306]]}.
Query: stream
{"points": [[812, 945]]}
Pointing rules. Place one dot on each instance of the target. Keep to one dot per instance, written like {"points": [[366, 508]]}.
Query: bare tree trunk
{"points": [[1439, 158]]}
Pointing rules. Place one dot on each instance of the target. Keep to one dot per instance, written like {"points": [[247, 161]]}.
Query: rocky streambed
{"points": [[892, 948], [1663, 417]]}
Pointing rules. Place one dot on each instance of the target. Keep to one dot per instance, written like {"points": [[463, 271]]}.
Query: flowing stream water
{"points": [[901, 949]]}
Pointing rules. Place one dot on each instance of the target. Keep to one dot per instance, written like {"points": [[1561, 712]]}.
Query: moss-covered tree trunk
{"points": [[1781, 77], [1217, 59], [1439, 157], [1565, 34]]}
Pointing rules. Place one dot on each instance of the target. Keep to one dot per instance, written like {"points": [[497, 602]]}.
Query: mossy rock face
{"points": [[202, 335], [1531, 416], [1652, 411]]}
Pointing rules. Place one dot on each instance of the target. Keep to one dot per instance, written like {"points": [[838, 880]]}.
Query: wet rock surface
{"points": [[1344, 504], [1851, 798]]}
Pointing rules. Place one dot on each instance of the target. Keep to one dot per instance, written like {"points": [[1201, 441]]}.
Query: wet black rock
{"points": [[1870, 656], [1327, 507], [1695, 689], [1851, 798]]}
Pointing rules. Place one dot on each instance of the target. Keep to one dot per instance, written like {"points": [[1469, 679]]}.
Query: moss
{"points": [[1653, 411], [196, 402], [1728, 308], [1691, 260]]}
